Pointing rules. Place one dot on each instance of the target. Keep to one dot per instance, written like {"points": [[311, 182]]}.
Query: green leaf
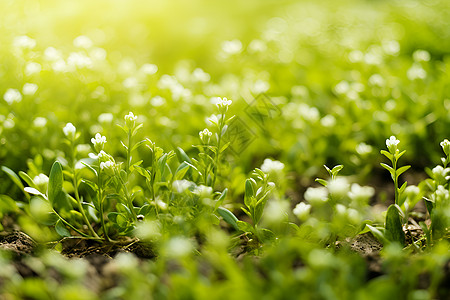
{"points": [[265, 235], [61, 229], [394, 229], [387, 154], [137, 128], [401, 170], [429, 204], [42, 212], [321, 181], [27, 179], [14, 178], [378, 234], [7, 204], [221, 198], [138, 144], [336, 170], [182, 156], [244, 226], [90, 168], [224, 147], [389, 168], [249, 192], [181, 171], [144, 172], [55, 182], [33, 191], [398, 155], [228, 217]]}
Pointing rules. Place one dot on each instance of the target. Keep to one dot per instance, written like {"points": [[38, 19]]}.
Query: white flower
{"points": [[107, 165], [361, 194], [377, 80], [391, 47], [302, 210], [232, 47], [105, 118], [41, 181], [32, 68], [328, 121], [445, 144], [203, 191], [24, 42], [29, 89], [157, 101], [52, 54], [316, 195], [103, 156], [200, 75], [182, 185], [338, 187], [40, 122], [223, 102], [12, 95], [178, 247], [149, 69], [276, 211], [99, 142], [363, 149], [79, 60], [205, 135], [82, 42], [130, 120], [392, 143], [421, 55], [69, 131], [416, 72], [272, 166]]}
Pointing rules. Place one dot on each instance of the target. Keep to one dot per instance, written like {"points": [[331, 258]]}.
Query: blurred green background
{"points": [[344, 76]]}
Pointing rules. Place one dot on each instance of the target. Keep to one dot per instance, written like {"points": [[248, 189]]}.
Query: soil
{"points": [[100, 256]]}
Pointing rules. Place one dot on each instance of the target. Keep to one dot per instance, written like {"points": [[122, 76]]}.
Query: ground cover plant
{"points": [[197, 150]]}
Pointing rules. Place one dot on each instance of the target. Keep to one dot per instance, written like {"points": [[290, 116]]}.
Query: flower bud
{"points": [[69, 131], [99, 142], [130, 120]]}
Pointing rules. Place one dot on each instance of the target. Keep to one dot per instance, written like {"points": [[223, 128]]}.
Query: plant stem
{"points": [[100, 199], [219, 141], [394, 165], [77, 195], [128, 153]]}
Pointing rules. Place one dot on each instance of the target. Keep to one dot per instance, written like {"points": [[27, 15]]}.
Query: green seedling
{"points": [[438, 202], [393, 228]]}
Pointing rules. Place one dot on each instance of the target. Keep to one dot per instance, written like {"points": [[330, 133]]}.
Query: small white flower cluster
{"points": [[29, 89], [272, 166], [83, 41], [421, 55], [149, 69], [445, 144], [416, 72], [232, 47], [24, 42], [41, 182], [391, 144], [130, 120], [302, 210], [223, 102], [12, 95], [32, 68], [205, 135], [69, 131], [183, 185], [99, 142]]}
